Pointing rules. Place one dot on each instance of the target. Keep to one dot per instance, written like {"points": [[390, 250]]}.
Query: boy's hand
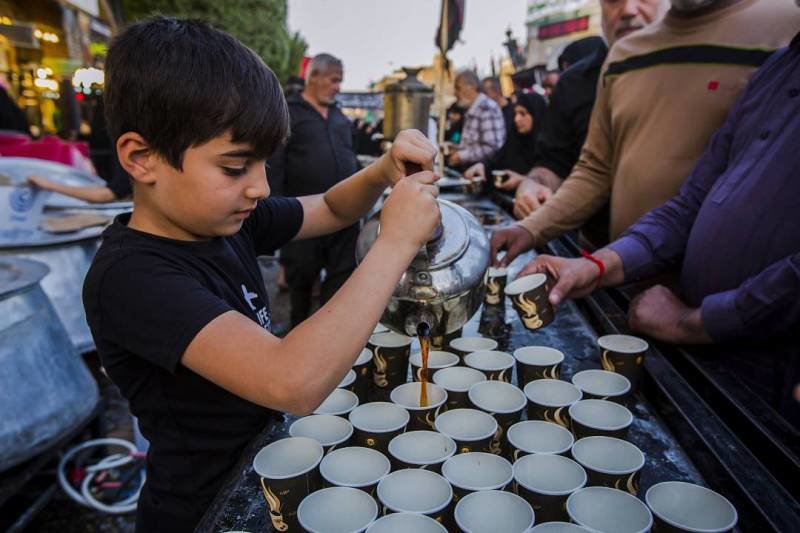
{"points": [[410, 214], [39, 181], [409, 146]]}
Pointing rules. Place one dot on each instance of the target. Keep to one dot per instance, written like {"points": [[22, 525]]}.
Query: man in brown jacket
{"points": [[663, 92]]}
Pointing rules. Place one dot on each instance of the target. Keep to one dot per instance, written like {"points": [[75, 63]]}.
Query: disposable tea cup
{"points": [[355, 467], [495, 365], [623, 354], [376, 423], [405, 523], [601, 385], [546, 481], [390, 353], [504, 402], [329, 430], [608, 510], [363, 369], [496, 279], [550, 400], [610, 462], [538, 437], [337, 510], [599, 418], [457, 380], [437, 360], [348, 381], [529, 296], [473, 430], [421, 449], [537, 362], [476, 471], [414, 490], [679, 506], [408, 397], [339, 402], [462, 346], [492, 511]]}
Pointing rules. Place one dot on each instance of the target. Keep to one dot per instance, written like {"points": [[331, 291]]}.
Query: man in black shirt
{"points": [[318, 155]]}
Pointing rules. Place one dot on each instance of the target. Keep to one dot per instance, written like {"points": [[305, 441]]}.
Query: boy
{"points": [[174, 297]]}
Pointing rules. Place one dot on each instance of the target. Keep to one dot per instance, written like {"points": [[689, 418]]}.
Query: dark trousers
{"points": [[303, 261]]}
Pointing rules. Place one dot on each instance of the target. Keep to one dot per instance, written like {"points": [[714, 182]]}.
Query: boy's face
{"points": [[213, 195]]}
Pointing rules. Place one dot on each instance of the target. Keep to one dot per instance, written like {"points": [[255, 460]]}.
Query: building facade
{"points": [[553, 24]]}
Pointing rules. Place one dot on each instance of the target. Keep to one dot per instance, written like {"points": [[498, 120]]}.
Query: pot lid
{"points": [[17, 274], [449, 243], [409, 84]]}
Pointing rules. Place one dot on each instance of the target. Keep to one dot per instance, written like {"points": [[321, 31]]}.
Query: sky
{"points": [[374, 37]]}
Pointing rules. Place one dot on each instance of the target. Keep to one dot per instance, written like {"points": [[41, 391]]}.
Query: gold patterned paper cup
{"points": [[390, 353], [623, 354], [472, 430], [592, 418], [406, 522], [414, 490], [407, 396], [530, 298], [348, 381], [337, 509], [288, 473], [537, 362], [601, 385], [500, 177], [437, 360], [376, 423], [355, 467], [496, 365], [466, 345], [442, 342], [496, 279], [684, 507], [421, 449], [476, 471], [545, 482], [457, 380], [550, 399], [505, 403], [339, 402], [493, 510], [329, 430], [610, 462], [363, 369], [538, 437], [605, 509]]}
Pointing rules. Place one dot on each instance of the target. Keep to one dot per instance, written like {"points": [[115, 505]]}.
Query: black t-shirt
{"points": [[146, 298]]}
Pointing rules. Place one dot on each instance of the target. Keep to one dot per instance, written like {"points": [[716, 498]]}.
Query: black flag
{"points": [[454, 23]]}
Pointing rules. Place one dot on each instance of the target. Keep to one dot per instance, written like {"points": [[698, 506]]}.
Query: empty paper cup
{"points": [[546, 481], [473, 472], [340, 402], [623, 354], [601, 385], [494, 364], [288, 472], [504, 402], [436, 361], [348, 380], [329, 430], [457, 380], [537, 362], [529, 296], [407, 396], [337, 510], [496, 279], [355, 467], [492, 511], [376, 423], [415, 491], [472, 430], [406, 522], [465, 345], [538, 436], [363, 369], [558, 527], [610, 462], [421, 449], [390, 353], [550, 399], [379, 328], [599, 418], [606, 510], [679, 506]]}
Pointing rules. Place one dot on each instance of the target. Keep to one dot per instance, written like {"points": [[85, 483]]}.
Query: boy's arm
{"points": [[344, 203], [297, 373], [92, 194]]}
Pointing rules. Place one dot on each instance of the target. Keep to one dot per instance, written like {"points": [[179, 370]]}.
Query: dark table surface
{"points": [[241, 506]]}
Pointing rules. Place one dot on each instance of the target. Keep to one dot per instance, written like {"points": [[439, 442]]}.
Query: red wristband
{"points": [[596, 261]]}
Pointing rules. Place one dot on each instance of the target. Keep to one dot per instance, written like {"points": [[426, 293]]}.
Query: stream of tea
{"points": [[424, 335]]}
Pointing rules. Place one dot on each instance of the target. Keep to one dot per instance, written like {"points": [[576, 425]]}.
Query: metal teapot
{"points": [[444, 285]]}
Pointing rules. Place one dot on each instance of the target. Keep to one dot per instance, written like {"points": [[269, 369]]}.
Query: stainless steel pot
{"points": [[45, 388], [444, 284], [406, 105]]}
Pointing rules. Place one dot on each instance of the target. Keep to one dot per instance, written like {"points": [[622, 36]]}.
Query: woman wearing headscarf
{"points": [[518, 154]]}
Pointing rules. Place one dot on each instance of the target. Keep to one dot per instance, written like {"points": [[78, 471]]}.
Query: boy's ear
{"points": [[136, 157]]}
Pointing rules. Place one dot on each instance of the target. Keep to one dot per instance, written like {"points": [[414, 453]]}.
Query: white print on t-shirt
{"points": [[262, 316]]}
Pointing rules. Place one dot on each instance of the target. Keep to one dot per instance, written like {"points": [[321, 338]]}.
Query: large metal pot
{"points": [[444, 284], [45, 388], [406, 105]]}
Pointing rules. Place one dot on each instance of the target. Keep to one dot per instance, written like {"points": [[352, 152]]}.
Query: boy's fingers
{"points": [[425, 177], [433, 190]]}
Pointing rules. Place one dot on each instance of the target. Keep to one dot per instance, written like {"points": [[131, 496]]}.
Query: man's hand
{"points": [[453, 159], [574, 278], [512, 181], [659, 313], [475, 172], [529, 197], [410, 214], [409, 146], [514, 240]]}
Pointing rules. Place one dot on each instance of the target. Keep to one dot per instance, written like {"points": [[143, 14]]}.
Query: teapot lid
{"points": [[449, 243]]}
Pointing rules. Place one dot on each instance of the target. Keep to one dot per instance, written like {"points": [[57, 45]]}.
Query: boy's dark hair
{"points": [[180, 83]]}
